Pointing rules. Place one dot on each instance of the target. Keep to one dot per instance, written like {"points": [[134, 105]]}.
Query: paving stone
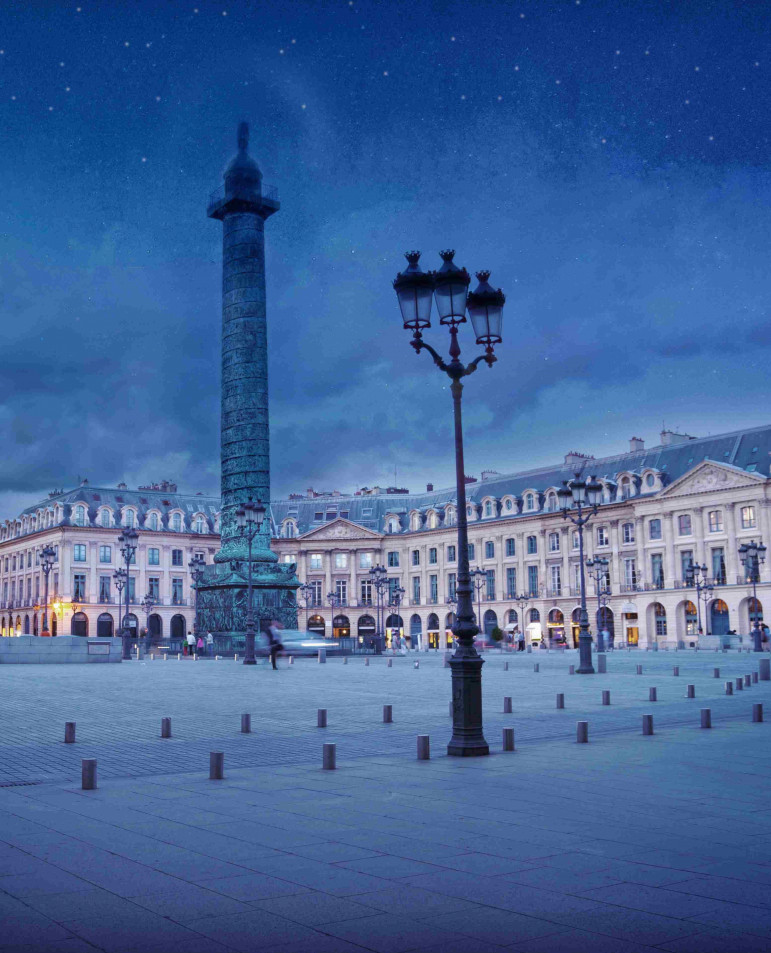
{"points": [[314, 908], [252, 886], [494, 926], [386, 933]]}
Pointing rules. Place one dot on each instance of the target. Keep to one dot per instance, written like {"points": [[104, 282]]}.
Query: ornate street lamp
{"points": [[307, 594], [478, 577], [395, 596], [119, 577], [148, 604], [752, 554], [48, 557], [249, 519], [378, 576], [196, 567], [522, 600], [128, 547], [485, 307], [598, 567], [586, 498], [696, 576]]}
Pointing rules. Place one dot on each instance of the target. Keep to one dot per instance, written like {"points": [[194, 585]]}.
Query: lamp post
{"points": [[249, 520], [308, 596], [449, 287], [148, 604], [752, 554], [378, 575], [478, 577], [585, 497], [696, 576], [119, 578], [395, 596], [128, 547], [196, 567], [48, 554], [598, 568], [522, 601], [336, 602]]}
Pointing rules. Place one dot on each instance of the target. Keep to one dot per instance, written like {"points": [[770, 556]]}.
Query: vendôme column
{"points": [[242, 205]]}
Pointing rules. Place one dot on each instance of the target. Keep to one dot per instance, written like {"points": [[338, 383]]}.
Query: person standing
{"points": [[209, 643], [200, 646], [190, 643]]}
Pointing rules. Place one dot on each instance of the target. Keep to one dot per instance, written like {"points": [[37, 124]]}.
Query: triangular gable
{"points": [[711, 475], [340, 529]]}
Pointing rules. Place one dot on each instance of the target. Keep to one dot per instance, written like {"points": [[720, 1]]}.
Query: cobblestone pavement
{"points": [[626, 844]]}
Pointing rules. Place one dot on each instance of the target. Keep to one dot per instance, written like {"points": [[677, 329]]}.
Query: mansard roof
{"points": [[141, 500]]}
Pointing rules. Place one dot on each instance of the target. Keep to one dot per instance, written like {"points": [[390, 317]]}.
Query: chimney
{"points": [[489, 475], [122, 486], [669, 438], [429, 487], [636, 443]]}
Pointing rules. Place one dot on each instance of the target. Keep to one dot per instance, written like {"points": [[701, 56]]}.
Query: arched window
{"points": [[104, 517], [535, 615], [393, 525], [199, 524], [432, 520], [176, 522], [488, 508], [530, 502], [449, 516], [660, 617], [129, 518], [80, 516], [154, 521], [289, 530]]}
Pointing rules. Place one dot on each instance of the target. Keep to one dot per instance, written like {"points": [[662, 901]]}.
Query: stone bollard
{"points": [[216, 765], [88, 774], [321, 718], [748, 681], [729, 688], [416, 665], [560, 700], [537, 667], [602, 663], [647, 724], [582, 732], [572, 670], [606, 698], [676, 670], [706, 718], [345, 660], [291, 659], [739, 685], [529, 649], [366, 660], [390, 663], [179, 656], [757, 712], [639, 668], [690, 691], [235, 657], [322, 656], [424, 752], [505, 666], [716, 673], [388, 714], [652, 697], [69, 732], [165, 727], [450, 708], [764, 670], [754, 678], [246, 724], [328, 757], [508, 739]]}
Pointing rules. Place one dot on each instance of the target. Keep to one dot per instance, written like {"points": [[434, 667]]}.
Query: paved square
{"points": [[628, 843]]}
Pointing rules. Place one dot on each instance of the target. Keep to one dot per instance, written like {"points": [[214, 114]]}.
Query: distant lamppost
{"points": [[196, 567], [308, 595], [128, 547], [522, 601], [48, 554], [148, 604], [585, 497], [478, 577], [378, 575], [119, 578], [449, 286], [249, 520], [696, 576], [395, 596], [752, 554], [598, 567], [336, 602]]}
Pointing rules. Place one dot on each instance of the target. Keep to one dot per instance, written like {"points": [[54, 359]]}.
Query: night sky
{"points": [[607, 161]]}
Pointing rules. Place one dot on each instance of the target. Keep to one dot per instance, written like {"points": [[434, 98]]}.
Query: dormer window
{"points": [[80, 516], [530, 501], [509, 504], [199, 524], [129, 519], [176, 522], [154, 521], [104, 518], [289, 530]]}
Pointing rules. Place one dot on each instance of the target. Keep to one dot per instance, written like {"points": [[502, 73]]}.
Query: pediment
{"points": [[340, 529], [711, 475]]}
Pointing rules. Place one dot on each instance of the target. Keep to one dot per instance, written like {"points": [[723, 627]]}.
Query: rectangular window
{"points": [[627, 532], [29, 590], [532, 545], [56, 582], [510, 548], [718, 566], [416, 590], [654, 529], [715, 518], [554, 542], [177, 592], [316, 561], [450, 554], [37, 588], [471, 551], [432, 556], [176, 557], [79, 552], [576, 569], [511, 583], [657, 570], [365, 560], [317, 516], [29, 559], [415, 557], [576, 539], [686, 562], [366, 592], [489, 550], [314, 597], [684, 525], [748, 517], [105, 554], [532, 580], [79, 586], [153, 557], [331, 514], [154, 587], [104, 588], [132, 588], [602, 536], [490, 584], [341, 592], [433, 589], [452, 586], [630, 573], [341, 560], [393, 560], [555, 579], [393, 585]]}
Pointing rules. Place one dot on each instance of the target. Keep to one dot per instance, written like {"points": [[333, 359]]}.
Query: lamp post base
{"points": [[126, 656], [757, 638], [249, 658], [585, 666], [46, 634], [467, 740]]}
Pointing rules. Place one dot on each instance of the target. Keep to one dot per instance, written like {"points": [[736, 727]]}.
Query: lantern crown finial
{"points": [[483, 275], [413, 257]]}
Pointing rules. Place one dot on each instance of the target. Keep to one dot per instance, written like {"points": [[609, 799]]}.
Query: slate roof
{"points": [[142, 500]]}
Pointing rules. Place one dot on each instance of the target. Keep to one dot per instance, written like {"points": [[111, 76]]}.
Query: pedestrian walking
{"points": [[200, 646], [209, 643], [274, 641], [520, 641], [190, 643]]}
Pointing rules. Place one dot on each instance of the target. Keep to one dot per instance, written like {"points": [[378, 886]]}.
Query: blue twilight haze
{"points": [[608, 162]]}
